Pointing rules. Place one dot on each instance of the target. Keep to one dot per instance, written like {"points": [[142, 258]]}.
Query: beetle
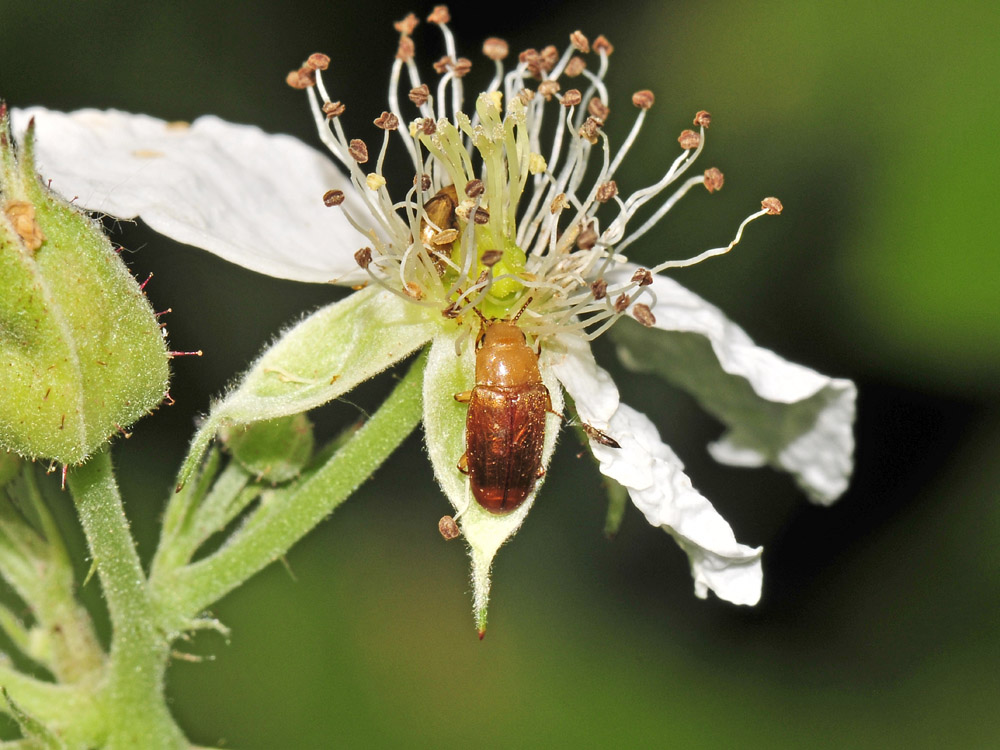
{"points": [[505, 426]]}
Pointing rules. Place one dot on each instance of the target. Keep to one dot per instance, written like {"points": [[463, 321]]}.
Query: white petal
{"points": [[777, 412], [252, 198], [444, 432], [657, 484]]}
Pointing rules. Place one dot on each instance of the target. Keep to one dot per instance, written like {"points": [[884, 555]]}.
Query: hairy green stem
{"points": [[137, 714], [287, 516]]}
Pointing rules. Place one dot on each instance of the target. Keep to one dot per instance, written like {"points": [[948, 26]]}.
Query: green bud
{"points": [[81, 353], [274, 450]]}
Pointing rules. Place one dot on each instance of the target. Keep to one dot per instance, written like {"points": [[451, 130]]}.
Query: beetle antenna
{"points": [[523, 308]]}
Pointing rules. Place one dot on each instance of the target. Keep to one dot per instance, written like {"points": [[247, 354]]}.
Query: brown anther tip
{"points": [[333, 198], [491, 258], [440, 14], [425, 181], [575, 66], [358, 151], [703, 119], [642, 277], [474, 188], [772, 206], [451, 311], [548, 58], [482, 216], [587, 238], [714, 180], [547, 89], [407, 25], [333, 109], [599, 289], [448, 528], [580, 41], [590, 128], [643, 314], [621, 303], [302, 78], [689, 139], [602, 46], [462, 67], [643, 99], [413, 290], [597, 108], [558, 203], [387, 121], [572, 98], [446, 237], [405, 50], [363, 257], [318, 61], [428, 126], [442, 65], [496, 48], [419, 95], [606, 191]]}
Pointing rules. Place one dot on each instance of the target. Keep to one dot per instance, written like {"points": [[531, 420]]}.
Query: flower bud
{"points": [[274, 450], [81, 353]]}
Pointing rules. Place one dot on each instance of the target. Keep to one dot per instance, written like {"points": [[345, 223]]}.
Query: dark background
{"points": [[875, 123]]}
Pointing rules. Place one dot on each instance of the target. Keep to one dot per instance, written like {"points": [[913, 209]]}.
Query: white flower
{"points": [[522, 225]]}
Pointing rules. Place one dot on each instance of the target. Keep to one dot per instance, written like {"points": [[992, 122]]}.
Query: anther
{"points": [[571, 98], [474, 188], [703, 119], [548, 58], [599, 289], [440, 14], [622, 302], [333, 198], [491, 258], [606, 191], [318, 61], [420, 95], [405, 50], [407, 25], [643, 314], [587, 238], [442, 65], [558, 203], [333, 109], [425, 182], [578, 40], [482, 216], [532, 61], [590, 128], [547, 89], [387, 121], [642, 277], [451, 311], [772, 206], [575, 66], [413, 290], [448, 528], [602, 46], [496, 48], [713, 180], [445, 237], [643, 99], [689, 139], [462, 67], [363, 257], [358, 151], [597, 108], [375, 181], [302, 78], [428, 126]]}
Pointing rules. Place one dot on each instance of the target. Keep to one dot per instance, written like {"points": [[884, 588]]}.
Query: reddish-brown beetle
{"points": [[505, 428]]}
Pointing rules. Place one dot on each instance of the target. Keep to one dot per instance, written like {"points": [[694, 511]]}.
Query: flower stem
{"points": [[133, 695], [287, 517]]}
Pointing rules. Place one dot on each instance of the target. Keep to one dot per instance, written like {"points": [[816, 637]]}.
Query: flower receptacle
{"points": [[81, 351]]}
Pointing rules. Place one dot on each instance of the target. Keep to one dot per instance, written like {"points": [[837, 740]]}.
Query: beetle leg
{"points": [[463, 463], [464, 397]]}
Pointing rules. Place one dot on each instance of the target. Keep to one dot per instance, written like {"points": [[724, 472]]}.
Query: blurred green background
{"points": [[876, 125]]}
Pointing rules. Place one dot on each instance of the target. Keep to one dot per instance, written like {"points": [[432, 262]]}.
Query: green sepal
{"points": [[275, 450], [81, 353]]}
